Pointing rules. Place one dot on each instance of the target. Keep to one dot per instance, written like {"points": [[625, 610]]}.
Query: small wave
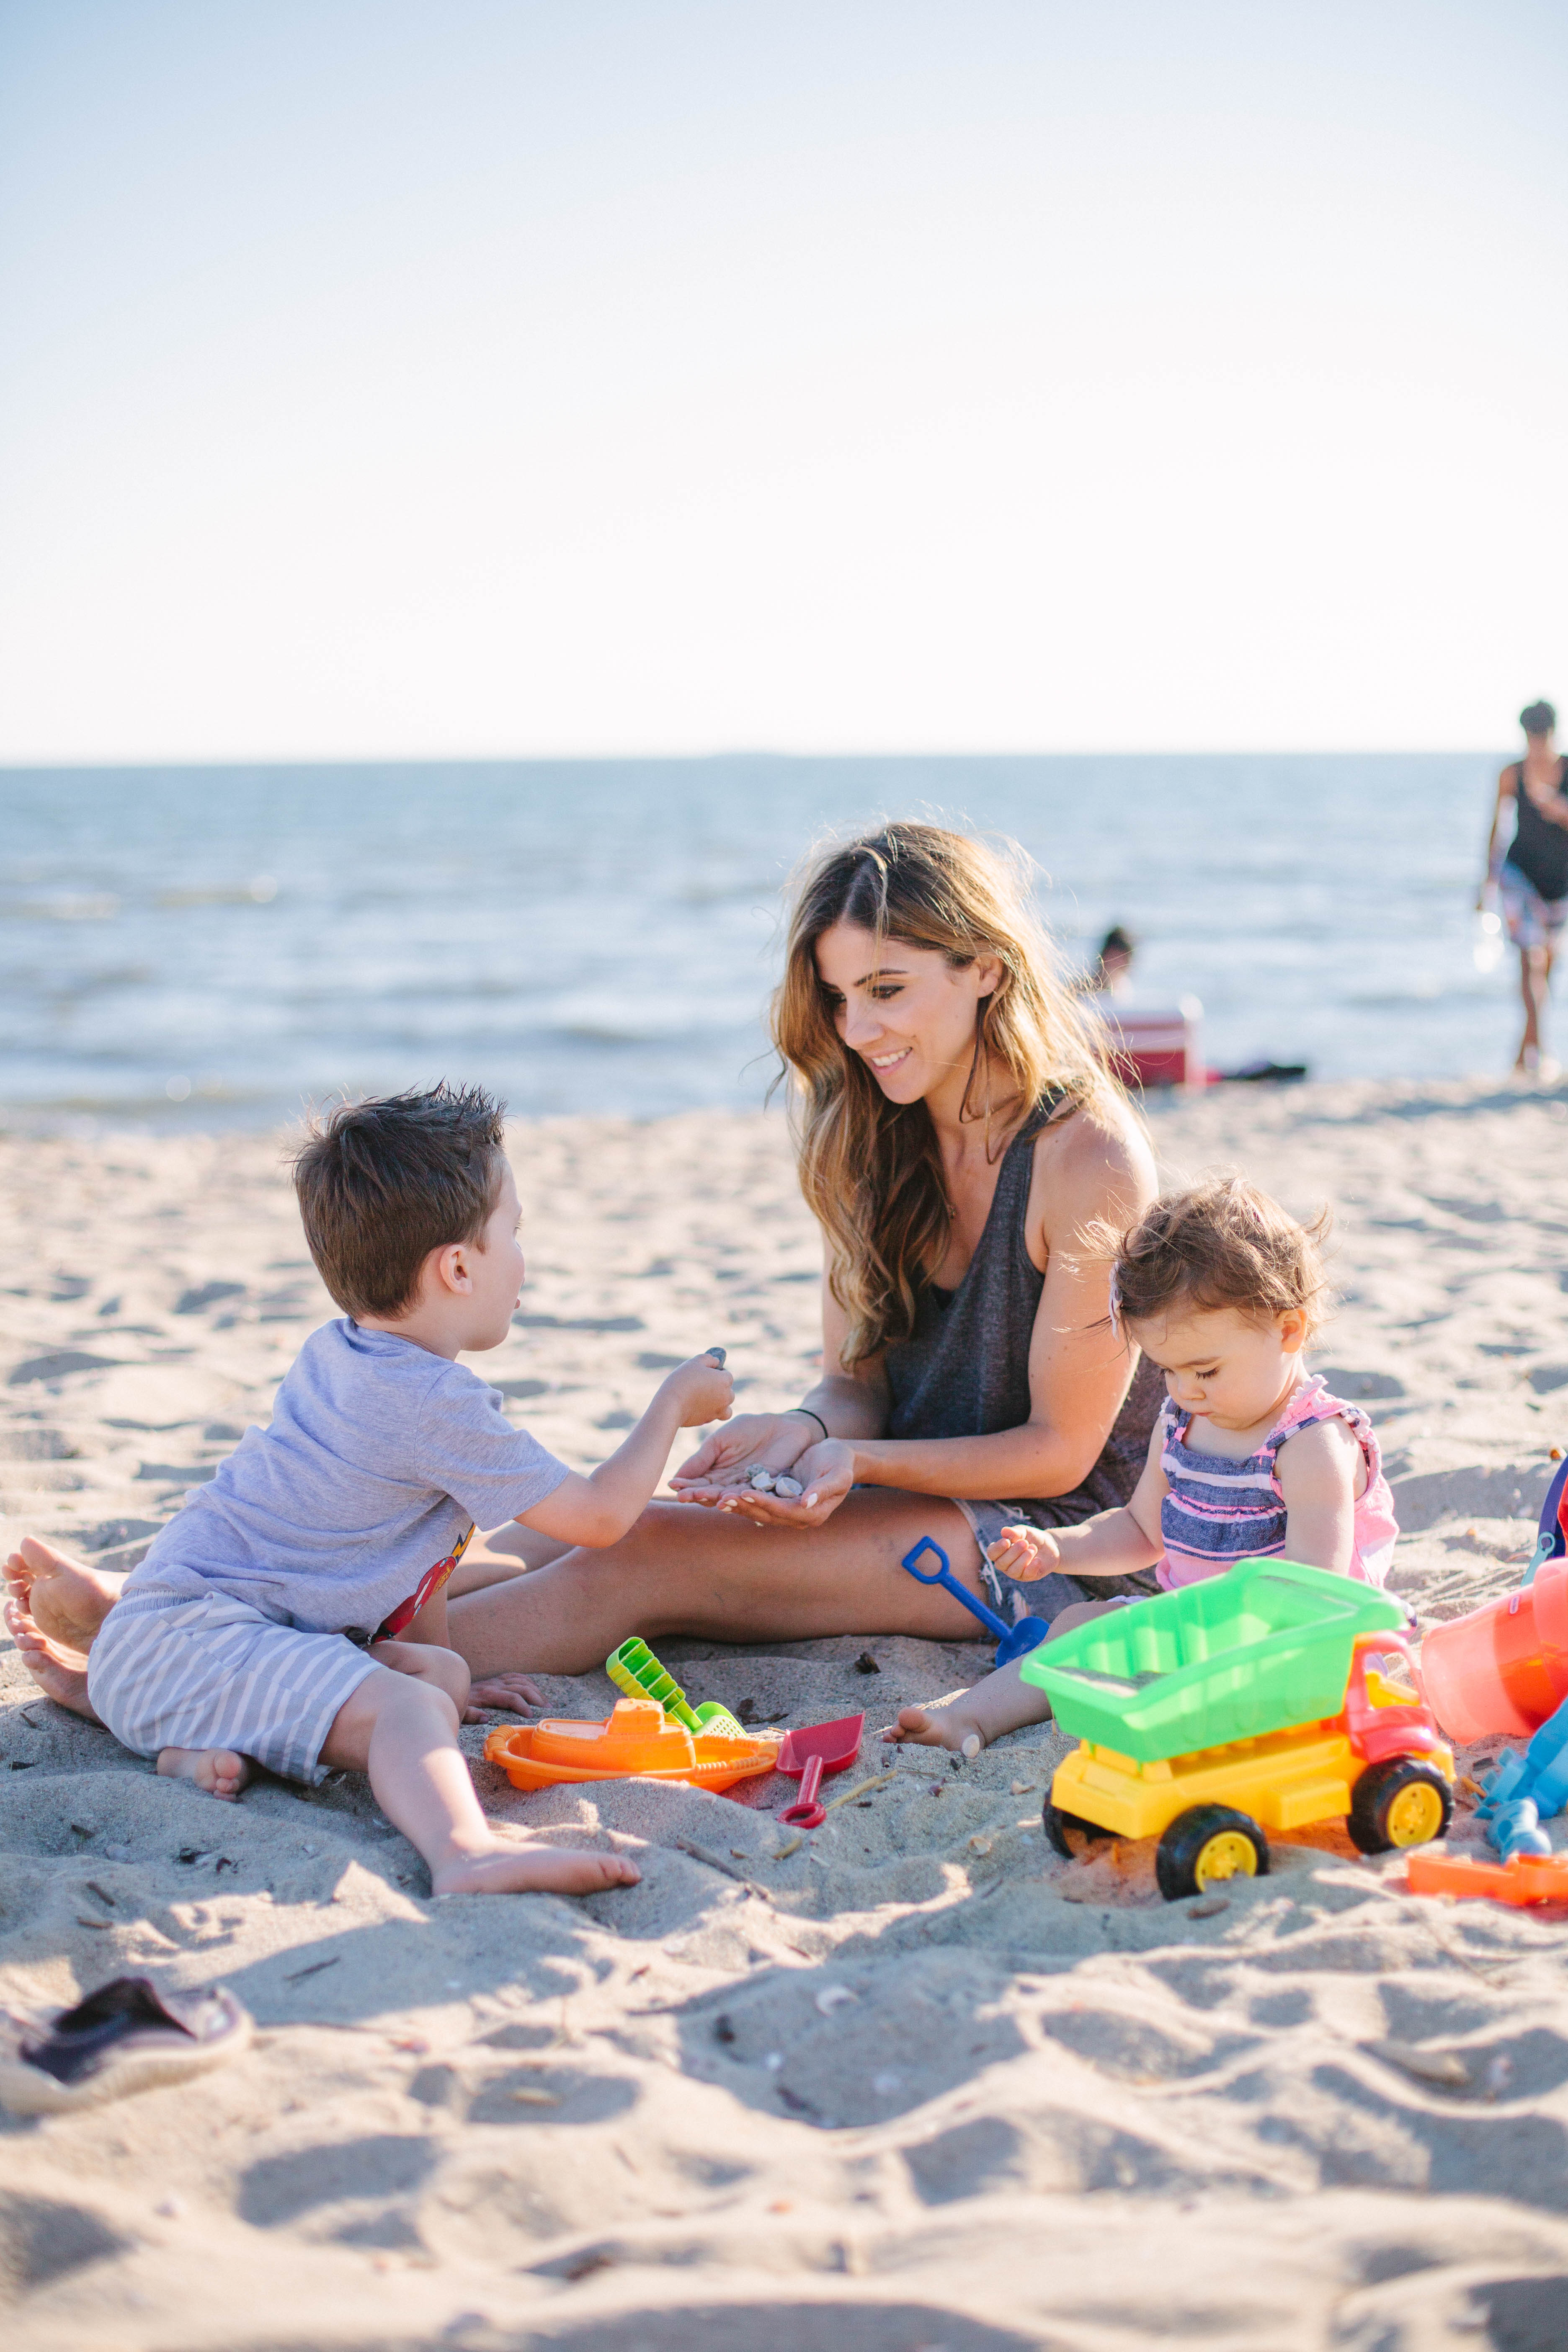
{"points": [[63, 907], [1408, 1000], [587, 1032], [259, 892], [94, 983], [594, 1033], [137, 1103]]}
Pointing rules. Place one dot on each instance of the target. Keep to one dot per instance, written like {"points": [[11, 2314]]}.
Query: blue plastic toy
{"points": [[1524, 1791], [1012, 1641]]}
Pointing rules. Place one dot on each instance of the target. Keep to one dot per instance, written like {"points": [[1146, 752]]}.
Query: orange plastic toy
{"points": [[1503, 1667], [638, 1739], [1527, 1878]]}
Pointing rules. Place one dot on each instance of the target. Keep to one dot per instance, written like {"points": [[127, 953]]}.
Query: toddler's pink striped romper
{"points": [[1218, 1511]]}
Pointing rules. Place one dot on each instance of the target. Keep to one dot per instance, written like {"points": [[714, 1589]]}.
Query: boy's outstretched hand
{"points": [[702, 1389]]}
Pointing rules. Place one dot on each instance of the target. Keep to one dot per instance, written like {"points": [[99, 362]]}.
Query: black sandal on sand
{"points": [[127, 2036]]}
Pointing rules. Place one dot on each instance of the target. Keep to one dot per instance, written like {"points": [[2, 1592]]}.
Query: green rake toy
{"points": [[636, 1673]]}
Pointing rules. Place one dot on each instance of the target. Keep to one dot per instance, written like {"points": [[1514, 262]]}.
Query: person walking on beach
{"points": [[1531, 878]]}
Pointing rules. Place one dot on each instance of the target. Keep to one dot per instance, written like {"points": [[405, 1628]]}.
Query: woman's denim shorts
{"points": [[1041, 1596]]}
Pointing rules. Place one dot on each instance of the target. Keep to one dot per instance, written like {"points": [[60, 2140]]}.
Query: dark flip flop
{"points": [[127, 2036]]}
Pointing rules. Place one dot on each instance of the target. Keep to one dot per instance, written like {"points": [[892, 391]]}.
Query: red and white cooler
{"points": [[1153, 1045]]}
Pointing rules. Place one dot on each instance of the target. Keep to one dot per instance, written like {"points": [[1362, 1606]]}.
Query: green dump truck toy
{"points": [[1262, 1699]]}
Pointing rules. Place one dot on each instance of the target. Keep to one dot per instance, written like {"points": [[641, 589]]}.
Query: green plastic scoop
{"points": [[636, 1673]]}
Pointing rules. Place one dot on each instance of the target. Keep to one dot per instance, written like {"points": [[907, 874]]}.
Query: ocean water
{"points": [[218, 946]]}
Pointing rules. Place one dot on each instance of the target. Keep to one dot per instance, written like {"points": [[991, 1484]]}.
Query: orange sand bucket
{"points": [[1503, 1667], [638, 1741]]}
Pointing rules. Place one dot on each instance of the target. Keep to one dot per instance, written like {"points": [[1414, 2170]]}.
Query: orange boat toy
{"points": [[639, 1739], [1525, 1878]]}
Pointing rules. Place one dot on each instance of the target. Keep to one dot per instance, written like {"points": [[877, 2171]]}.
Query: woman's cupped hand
{"points": [[718, 1475]]}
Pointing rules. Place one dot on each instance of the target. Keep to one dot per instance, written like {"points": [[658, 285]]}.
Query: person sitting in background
{"points": [[1531, 878], [1112, 974]]}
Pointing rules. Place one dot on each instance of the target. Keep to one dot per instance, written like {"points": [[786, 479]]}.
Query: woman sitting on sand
{"points": [[957, 1133]]}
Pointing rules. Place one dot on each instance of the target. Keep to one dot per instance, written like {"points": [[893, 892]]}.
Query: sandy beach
{"points": [[914, 2083]]}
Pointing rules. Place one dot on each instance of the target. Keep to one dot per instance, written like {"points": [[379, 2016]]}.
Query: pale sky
{"points": [[481, 378]]}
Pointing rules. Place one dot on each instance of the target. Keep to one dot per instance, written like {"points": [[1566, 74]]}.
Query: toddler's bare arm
{"points": [[1113, 1543], [1317, 1472]]}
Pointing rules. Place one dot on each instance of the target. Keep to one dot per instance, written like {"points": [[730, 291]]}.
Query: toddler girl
{"points": [[1251, 1456]]}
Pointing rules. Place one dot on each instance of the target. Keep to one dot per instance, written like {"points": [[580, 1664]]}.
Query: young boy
{"points": [[294, 1612]]}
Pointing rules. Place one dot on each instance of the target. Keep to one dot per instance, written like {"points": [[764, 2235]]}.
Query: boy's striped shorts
{"points": [[209, 1671]]}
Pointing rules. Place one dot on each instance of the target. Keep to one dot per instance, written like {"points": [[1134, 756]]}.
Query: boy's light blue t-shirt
{"points": [[379, 1458]]}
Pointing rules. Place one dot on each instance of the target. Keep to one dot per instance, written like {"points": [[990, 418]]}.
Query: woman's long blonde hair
{"points": [[871, 1168]]}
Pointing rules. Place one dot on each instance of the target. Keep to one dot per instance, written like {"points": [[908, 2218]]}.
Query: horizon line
{"points": [[239, 760]]}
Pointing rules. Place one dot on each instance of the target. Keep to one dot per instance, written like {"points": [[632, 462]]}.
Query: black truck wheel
{"points": [[1061, 1827], [1206, 1846], [1401, 1802]]}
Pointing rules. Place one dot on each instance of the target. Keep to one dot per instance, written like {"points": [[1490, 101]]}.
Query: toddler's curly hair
{"points": [[1222, 1244]]}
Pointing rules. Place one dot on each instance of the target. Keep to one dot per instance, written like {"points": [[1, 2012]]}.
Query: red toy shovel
{"points": [[812, 1752]]}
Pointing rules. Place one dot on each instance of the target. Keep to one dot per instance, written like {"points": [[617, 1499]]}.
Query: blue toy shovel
{"points": [[1012, 1641], [1550, 1542]]}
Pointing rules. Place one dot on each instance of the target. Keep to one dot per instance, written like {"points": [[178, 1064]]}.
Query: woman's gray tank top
{"points": [[964, 1373]]}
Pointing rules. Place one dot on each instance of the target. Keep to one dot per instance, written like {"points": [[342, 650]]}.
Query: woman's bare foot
{"points": [[533, 1870], [60, 1673], [514, 1692], [66, 1600], [218, 1770], [951, 1727]]}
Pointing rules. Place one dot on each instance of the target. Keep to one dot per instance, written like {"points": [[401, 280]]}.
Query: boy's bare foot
{"points": [[218, 1770], [514, 1692], [66, 1600], [533, 1870], [951, 1727], [60, 1673]]}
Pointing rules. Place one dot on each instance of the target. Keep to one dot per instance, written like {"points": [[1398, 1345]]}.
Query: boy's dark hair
{"points": [[1538, 719], [382, 1184]]}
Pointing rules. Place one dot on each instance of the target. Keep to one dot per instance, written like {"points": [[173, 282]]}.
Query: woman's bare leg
{"points": [[508, 1551], [683, 1570], [1535, 989]]}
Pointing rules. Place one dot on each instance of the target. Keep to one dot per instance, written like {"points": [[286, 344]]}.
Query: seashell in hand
{"points": [[762, 1479], [785, 1485]]}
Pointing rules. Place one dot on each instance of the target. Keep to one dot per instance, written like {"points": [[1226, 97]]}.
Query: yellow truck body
{"points": [[1284, 1780]]}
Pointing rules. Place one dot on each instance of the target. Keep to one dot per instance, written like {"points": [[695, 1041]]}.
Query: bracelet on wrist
{"points": [[810, 1416]]}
